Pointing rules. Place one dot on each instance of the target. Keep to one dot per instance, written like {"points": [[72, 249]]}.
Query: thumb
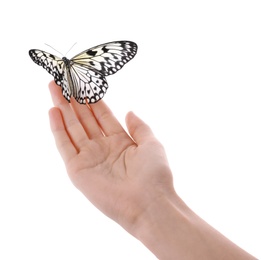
{"points": [[139, 130]]}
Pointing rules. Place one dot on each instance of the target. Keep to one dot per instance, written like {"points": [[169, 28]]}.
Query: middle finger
{"points": [[87, 119]]}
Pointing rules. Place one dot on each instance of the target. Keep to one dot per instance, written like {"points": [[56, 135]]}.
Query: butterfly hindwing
{"points": [[65, 86], [83, 77], [87, 84]]}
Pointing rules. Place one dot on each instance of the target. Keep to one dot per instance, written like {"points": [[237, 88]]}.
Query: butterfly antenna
{"points": [[70, 48], [53, 48]]}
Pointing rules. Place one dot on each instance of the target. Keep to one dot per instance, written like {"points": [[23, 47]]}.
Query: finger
{"points": [[62, 140], [87, 119], [139, 130], [105, 118], [72, 125]]}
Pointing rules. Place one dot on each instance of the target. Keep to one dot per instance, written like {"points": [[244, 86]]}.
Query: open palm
{"points": [[120, 173]]}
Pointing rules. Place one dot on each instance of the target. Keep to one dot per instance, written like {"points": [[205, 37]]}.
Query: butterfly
{"points": [[83, 76]]}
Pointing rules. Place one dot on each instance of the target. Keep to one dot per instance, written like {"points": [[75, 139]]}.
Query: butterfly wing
{"points": [[107, 58], [87, 85], [55, 66]]}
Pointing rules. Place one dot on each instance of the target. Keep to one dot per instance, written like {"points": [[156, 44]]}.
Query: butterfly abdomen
{"points": [[71, 87]]}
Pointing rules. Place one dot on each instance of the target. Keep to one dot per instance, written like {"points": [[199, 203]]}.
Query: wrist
{"points": [[155, 228], [171, 230]]}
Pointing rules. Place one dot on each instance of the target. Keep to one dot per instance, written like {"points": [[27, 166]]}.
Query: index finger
{"points": [[62, 140], [72, 125]]}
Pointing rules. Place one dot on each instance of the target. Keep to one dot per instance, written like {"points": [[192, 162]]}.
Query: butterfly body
{"points": [[83, 76], [71, 90]]}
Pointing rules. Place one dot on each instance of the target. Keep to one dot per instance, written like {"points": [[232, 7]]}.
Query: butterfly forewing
{"points": [[83, 77], [107, 58], [53, 64]]}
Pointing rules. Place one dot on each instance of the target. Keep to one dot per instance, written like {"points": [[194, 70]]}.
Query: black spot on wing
{"points": [[104, 49], [91, 52]]}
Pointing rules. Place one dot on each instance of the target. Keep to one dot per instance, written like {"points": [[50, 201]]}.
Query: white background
{"points": [[195, 80]]}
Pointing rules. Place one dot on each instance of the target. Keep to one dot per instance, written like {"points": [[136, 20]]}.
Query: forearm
{"points": [[170, 230]]}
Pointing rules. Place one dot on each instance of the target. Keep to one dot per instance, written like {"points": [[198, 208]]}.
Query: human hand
{"points": [[128, 178], [121, 174]]}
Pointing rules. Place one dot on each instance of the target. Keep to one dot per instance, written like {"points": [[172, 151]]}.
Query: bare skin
{"points": [[127, 177]]}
